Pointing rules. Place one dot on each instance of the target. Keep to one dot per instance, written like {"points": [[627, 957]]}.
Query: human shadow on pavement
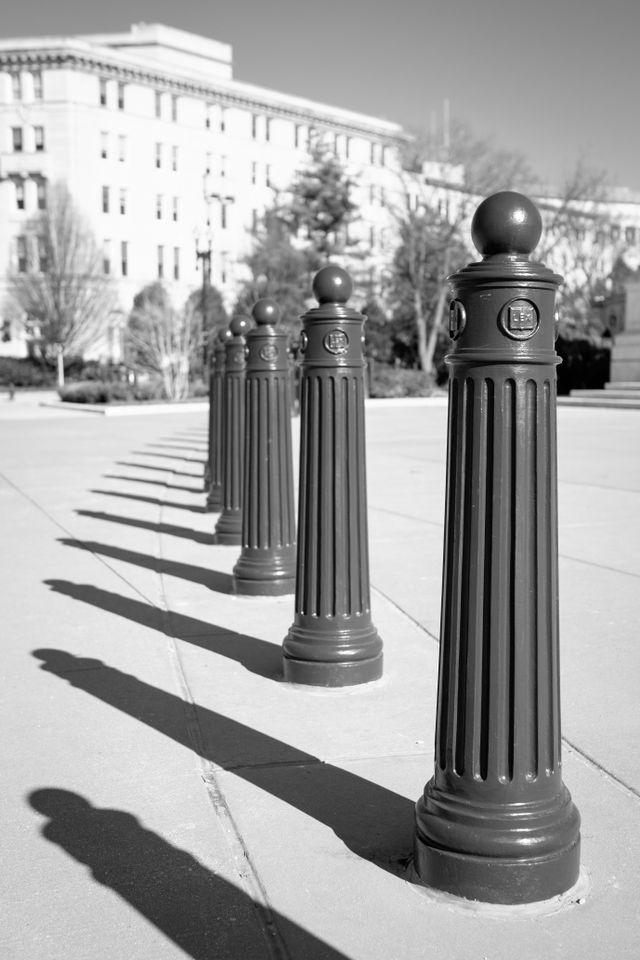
{"points": [[213, 579], [154, 501], [168, 529], [165, 456], [155, 483], [151, 466], [201, 912], [256, 655], [373, 822]]}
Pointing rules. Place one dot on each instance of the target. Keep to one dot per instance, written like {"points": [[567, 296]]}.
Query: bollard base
{"points": [[343, 674], [264, 588], [228, 529], [214, 499], [497, 880]]}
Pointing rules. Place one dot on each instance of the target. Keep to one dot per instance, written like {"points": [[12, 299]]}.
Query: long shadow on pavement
{"points": [[139, 498], [192, 448], [256, 655], [165, 456], [155, 483], [373, 822], [151, 466], [169, 529], [205, 915], [213, 579]]}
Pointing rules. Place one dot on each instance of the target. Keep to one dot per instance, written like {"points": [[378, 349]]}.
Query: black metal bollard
{"points": [[496, 822], [216, 423], [332, 642], [267, 562], [228, 529]]}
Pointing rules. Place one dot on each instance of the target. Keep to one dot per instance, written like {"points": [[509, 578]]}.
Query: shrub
{"points": [[86, 391], [386, 381], [25, 372]]}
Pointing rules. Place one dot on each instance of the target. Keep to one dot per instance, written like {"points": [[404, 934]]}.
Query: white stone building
{"points": [[161, 147]]}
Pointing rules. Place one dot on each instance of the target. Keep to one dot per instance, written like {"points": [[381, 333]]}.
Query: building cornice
{"points": [[231, 93]]}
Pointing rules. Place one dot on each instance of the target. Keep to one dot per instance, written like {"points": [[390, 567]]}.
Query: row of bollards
{"points": [[496, 822]]}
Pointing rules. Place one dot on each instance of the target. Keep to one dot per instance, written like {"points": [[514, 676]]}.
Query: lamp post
{"points": [[203, 257]]}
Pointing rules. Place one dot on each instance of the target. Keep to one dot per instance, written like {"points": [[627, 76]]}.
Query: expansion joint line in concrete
{"points": [[247, 871]]}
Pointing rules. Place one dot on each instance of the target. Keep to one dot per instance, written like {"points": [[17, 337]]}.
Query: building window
{"points": [[20, 194], [174, 108], [104, 144], [37, 84], [41, 190], [267, 129], [103, 92], [223, 166], [122, 148], [267, 175], [223, 216], [600, 238], [207, 116], [254, 127], [174, 159], [6, 331], [176, 263], [615, 232], [124, 258], [254, 221], [105, 199], [121, 96], [223, 124], [630, 234], [16, 86], [16, 139], [158, 155], [43, 260], [297, 136], [158, 206], [21, 254], [160, 263], [106, 257], [174, 213], [38, 137], [254, 172], [158, 107], [123, 200]]}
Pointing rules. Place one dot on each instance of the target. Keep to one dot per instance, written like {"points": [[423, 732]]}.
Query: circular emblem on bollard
{"points": [[304, 342], [519, 319], [336, 342], [457, 319], [269, 352]]}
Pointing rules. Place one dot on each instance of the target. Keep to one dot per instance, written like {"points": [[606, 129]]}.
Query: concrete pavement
{"points": [[167, 795]]}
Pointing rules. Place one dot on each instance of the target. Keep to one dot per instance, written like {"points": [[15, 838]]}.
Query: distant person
{"points": [[11, 391]]}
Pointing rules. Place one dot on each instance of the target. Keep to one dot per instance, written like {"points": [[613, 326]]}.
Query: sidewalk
{"points": [[168, 796]]}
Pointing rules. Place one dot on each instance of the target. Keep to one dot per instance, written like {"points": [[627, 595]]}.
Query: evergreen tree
{"points": [[319, 206]]}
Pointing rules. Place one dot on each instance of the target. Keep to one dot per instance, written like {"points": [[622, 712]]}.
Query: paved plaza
{"points": [[167, 795]]}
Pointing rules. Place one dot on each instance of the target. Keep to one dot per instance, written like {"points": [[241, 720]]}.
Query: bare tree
{"points": [[59, 288], [162, 340], [441, 184], [578, 241]]}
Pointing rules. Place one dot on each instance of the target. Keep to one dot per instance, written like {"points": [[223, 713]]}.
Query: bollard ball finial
{"points": [[265, 312], [507, 223], [332, 285], [239, 326]]}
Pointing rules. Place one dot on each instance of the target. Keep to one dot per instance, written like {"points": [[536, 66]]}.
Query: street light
{"points": [[203, 256]]}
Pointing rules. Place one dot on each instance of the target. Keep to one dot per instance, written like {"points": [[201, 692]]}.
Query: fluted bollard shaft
{"points": [[267, 562], [332, 641], [229, 526], [496, 822], [216, 423]]}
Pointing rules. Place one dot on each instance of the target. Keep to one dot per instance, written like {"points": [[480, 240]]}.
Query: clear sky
{"points": [[555, 79]]}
